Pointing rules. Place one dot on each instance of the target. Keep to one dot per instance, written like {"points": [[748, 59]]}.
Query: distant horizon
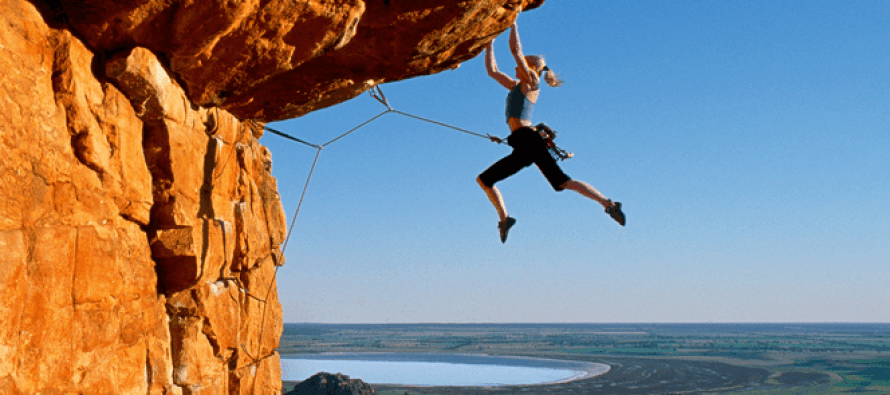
{"points": [[595, 323]]}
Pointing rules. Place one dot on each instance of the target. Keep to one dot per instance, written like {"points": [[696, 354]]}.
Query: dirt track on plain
{"points": [[631, 376]]}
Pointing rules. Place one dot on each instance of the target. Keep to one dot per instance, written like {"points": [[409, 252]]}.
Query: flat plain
{"points": [[751, 359]]}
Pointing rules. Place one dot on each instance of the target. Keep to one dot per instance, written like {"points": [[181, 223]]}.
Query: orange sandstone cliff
{"points": [[140, 226]]}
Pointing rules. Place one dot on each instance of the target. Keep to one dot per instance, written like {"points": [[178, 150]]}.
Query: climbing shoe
{"points": [[504, 226], [614, 211]]}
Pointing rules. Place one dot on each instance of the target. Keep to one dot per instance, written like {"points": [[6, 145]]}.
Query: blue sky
{"points": [[747, 140]]}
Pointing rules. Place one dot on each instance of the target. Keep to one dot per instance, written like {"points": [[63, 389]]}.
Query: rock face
{"points": [[138, 233], [332, 384], [279, 59], [140, 226]]}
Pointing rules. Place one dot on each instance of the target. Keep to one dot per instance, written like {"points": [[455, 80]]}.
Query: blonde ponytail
{"points": [[551, 77], [537, 64]]}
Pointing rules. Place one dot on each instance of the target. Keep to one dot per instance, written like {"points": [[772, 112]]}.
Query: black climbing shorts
{"points": [[528, 147]]}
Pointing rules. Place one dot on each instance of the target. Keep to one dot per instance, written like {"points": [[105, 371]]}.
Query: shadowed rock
{"points": [[332, 384], [279, 59]]}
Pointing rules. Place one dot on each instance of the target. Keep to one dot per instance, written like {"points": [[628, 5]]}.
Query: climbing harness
{"points": [[549, 135]]}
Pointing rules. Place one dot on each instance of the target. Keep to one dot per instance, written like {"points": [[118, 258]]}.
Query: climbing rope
{"points": [[283, 248], [300, 204], [285, 135], [378, 95]]}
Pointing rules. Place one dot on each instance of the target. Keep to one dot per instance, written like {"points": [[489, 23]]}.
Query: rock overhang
{"points": [[280, 59]]}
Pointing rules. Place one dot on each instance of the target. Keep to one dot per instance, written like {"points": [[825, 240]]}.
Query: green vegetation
{"points": [[798, 359], [622, 351], [873, 374]]}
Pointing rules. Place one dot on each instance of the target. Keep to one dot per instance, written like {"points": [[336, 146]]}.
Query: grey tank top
{"points": [[518, 106]]}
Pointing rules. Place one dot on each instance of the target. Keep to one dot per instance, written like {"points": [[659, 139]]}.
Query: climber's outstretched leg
{"points": [[497, 200], [495, 197], [587, 190]]}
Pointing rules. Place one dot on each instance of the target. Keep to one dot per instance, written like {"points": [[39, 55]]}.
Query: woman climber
{"points": [[528, 144]]}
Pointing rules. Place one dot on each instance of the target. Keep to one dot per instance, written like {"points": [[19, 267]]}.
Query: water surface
{"points": [[438, 369]]}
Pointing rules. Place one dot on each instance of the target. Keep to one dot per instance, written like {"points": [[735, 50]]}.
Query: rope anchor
{"points": [[379, 96]]}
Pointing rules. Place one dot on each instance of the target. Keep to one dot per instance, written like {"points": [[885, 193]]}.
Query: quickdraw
{"points": [[549, 135]]}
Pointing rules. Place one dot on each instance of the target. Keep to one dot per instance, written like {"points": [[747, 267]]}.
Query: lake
{"points": [[438, 369]]}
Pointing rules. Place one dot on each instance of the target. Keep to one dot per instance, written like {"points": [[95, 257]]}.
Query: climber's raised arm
{"points": [[492, 67], [523, 69]]}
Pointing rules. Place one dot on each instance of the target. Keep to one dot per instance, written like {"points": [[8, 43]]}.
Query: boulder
{"points": [[332, 384]]}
